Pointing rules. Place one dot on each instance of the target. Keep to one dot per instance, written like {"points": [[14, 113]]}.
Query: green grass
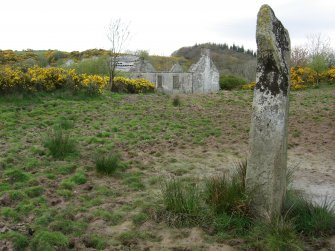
{"points": [[225, 195], [140, 218], [59, 144], [181, 198], [310, 218], [20, 241], [132, 237], [108, 165], [58, 202], [230, 217], [45, 240], [279, 235], [95, 241]]}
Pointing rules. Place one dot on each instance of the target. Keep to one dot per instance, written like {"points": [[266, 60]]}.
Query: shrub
{"points": [[302, 77], [249, 86], [140, 85], [59, 144], [92, 66], [330, 75], [94, 84], [231, 82], [13, 80], [49, 79], [108, 164]]}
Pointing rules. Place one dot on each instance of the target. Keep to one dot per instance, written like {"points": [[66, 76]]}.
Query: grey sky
{"points": [[160, 27]]}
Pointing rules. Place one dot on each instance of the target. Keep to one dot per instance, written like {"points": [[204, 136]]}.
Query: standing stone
{"points": [[267, 160]]}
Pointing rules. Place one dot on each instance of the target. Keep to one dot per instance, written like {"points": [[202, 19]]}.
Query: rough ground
{"points": [[204, 136]]}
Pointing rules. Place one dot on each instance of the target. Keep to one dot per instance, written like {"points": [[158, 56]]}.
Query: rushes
{"points": [[59, 143]]}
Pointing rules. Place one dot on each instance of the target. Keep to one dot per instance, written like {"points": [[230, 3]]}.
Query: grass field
{"points": [[79, 173]]}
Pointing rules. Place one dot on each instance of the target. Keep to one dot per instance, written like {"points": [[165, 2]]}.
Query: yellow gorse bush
{"points": [[97, 81], [48, 79], [249, 86], [330, 75], [302, 77], [13, 79], [140, 85]]}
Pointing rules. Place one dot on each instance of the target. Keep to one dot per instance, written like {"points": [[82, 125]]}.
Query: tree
{"points": [[318, 45], [319, 65], [320, 54], [299, 56], [118, 34]]}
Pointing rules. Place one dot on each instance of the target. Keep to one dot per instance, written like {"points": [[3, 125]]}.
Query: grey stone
{"points": [[142, 66], [202, 77], [126, 62], [176, 68], [267, 160], [205, 74]]}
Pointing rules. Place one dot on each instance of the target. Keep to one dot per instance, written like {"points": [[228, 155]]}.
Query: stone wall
{"points": [[202, 77], [205, 74]]}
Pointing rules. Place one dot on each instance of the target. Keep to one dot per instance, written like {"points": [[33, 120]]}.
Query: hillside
{"points": [[230, 60]]}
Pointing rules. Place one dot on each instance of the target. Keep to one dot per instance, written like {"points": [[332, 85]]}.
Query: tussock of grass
{"points": [[227, 194], [95, 241], [59, 144], [16, 175], [176, 101], [182, 204], [310, 218], [108, 165], [232, 225], [181, 198], [65, 123], [20, 241], [279, 235], [44, 240]]}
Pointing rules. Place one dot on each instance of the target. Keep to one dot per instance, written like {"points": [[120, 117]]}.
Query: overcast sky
{"points": [[158, 26]]}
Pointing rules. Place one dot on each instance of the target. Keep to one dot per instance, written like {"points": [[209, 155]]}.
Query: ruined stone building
{"points": [[202, 77]]}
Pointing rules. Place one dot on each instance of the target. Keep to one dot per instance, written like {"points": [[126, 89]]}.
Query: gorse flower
{"points": [[140, 85], [52, 78]]}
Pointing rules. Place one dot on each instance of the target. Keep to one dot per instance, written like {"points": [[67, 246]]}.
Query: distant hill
{"points": [[230, 60]]}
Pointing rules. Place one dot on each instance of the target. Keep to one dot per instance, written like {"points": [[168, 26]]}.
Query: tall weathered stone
{"points": [[267, 161]]}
